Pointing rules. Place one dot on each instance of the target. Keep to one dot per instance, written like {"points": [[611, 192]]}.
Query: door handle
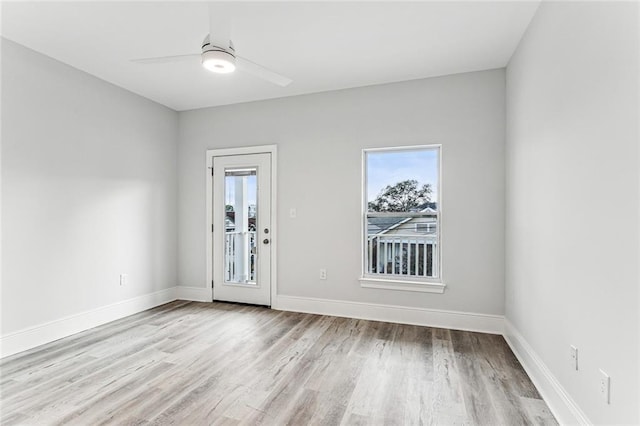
{"points": [[265, 241]]}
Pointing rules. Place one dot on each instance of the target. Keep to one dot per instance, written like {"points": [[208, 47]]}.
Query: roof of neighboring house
{"points": [[381, 224], [430, 205], [378, 225]]}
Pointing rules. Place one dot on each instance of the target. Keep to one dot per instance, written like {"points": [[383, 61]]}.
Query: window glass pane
{"points": [[240, 221], [403, 181]]}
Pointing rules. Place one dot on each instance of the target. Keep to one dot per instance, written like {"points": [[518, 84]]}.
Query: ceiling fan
{"points": [[218, 54]]}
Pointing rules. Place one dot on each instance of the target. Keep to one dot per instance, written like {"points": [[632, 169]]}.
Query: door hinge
{"points": [[211, 283], [212, 227]]}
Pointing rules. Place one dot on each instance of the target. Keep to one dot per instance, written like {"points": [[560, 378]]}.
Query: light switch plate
{"points": [[574, 357], [605, 387]]}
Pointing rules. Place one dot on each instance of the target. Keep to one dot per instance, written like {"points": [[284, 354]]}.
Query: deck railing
{"points": [[402, 255], [236, 270]]}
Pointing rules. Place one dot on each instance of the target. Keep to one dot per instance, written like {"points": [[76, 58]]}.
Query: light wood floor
{"points": [[212, 363]]}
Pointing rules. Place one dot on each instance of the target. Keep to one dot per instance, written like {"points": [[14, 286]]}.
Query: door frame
{"points": [[224, 152]]}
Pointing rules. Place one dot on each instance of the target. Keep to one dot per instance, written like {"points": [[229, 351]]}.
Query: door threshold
{"points": [[241, 303]]}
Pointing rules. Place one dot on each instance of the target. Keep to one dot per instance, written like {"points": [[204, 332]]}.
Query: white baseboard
{"points": [[484, 323], [31, 337], [563, 407], [194, 294]]}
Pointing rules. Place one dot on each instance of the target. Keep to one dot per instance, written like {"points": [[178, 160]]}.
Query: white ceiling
{"points": [[322, 46]]}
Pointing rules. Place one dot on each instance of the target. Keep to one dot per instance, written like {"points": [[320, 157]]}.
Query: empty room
{"points": [[320, 213]]}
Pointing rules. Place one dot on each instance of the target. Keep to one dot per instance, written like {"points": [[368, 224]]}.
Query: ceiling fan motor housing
{"points": [[218, 59]]}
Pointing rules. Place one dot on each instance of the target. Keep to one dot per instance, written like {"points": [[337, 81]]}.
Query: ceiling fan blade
{"points": [[262, 72], [166, 59]]}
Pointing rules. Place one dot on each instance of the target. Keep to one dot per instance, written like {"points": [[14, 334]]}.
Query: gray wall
{"points": [[89, 191], [320, 139], [572, 199]]}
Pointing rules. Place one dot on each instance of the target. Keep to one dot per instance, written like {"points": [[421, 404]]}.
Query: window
{"points": [[425, 228], [401, 217]]}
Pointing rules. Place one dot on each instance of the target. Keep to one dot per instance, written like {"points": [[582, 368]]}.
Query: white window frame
{"points": [[396, 282]]}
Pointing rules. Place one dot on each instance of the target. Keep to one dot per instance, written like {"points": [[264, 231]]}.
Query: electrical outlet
{"points": [[123, 279], [574, 357], [605, 386], [323, 274]]}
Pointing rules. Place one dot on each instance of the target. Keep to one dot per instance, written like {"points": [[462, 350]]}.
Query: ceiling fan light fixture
{"points": [[219, 61]]}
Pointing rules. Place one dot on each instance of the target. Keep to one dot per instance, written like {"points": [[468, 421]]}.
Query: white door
{"points": [[242, 228]]}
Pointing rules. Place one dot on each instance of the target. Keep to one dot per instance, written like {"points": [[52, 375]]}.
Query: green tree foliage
{"points": [[402, 197]]}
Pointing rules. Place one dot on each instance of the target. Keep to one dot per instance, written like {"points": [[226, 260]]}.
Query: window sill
{"points": [[387, 284]]}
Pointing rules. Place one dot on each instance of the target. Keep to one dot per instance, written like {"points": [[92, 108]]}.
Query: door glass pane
{"points": [[240, 248]]}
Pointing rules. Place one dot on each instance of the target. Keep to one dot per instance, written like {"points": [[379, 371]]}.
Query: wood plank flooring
{"points": [[192, 363]]}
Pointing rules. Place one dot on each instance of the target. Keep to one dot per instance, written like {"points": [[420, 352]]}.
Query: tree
{"points": [[402, 197]]}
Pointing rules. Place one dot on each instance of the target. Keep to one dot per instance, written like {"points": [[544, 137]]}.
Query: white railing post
{"points": [[378, 255], [370, 251], [241, 221]]}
